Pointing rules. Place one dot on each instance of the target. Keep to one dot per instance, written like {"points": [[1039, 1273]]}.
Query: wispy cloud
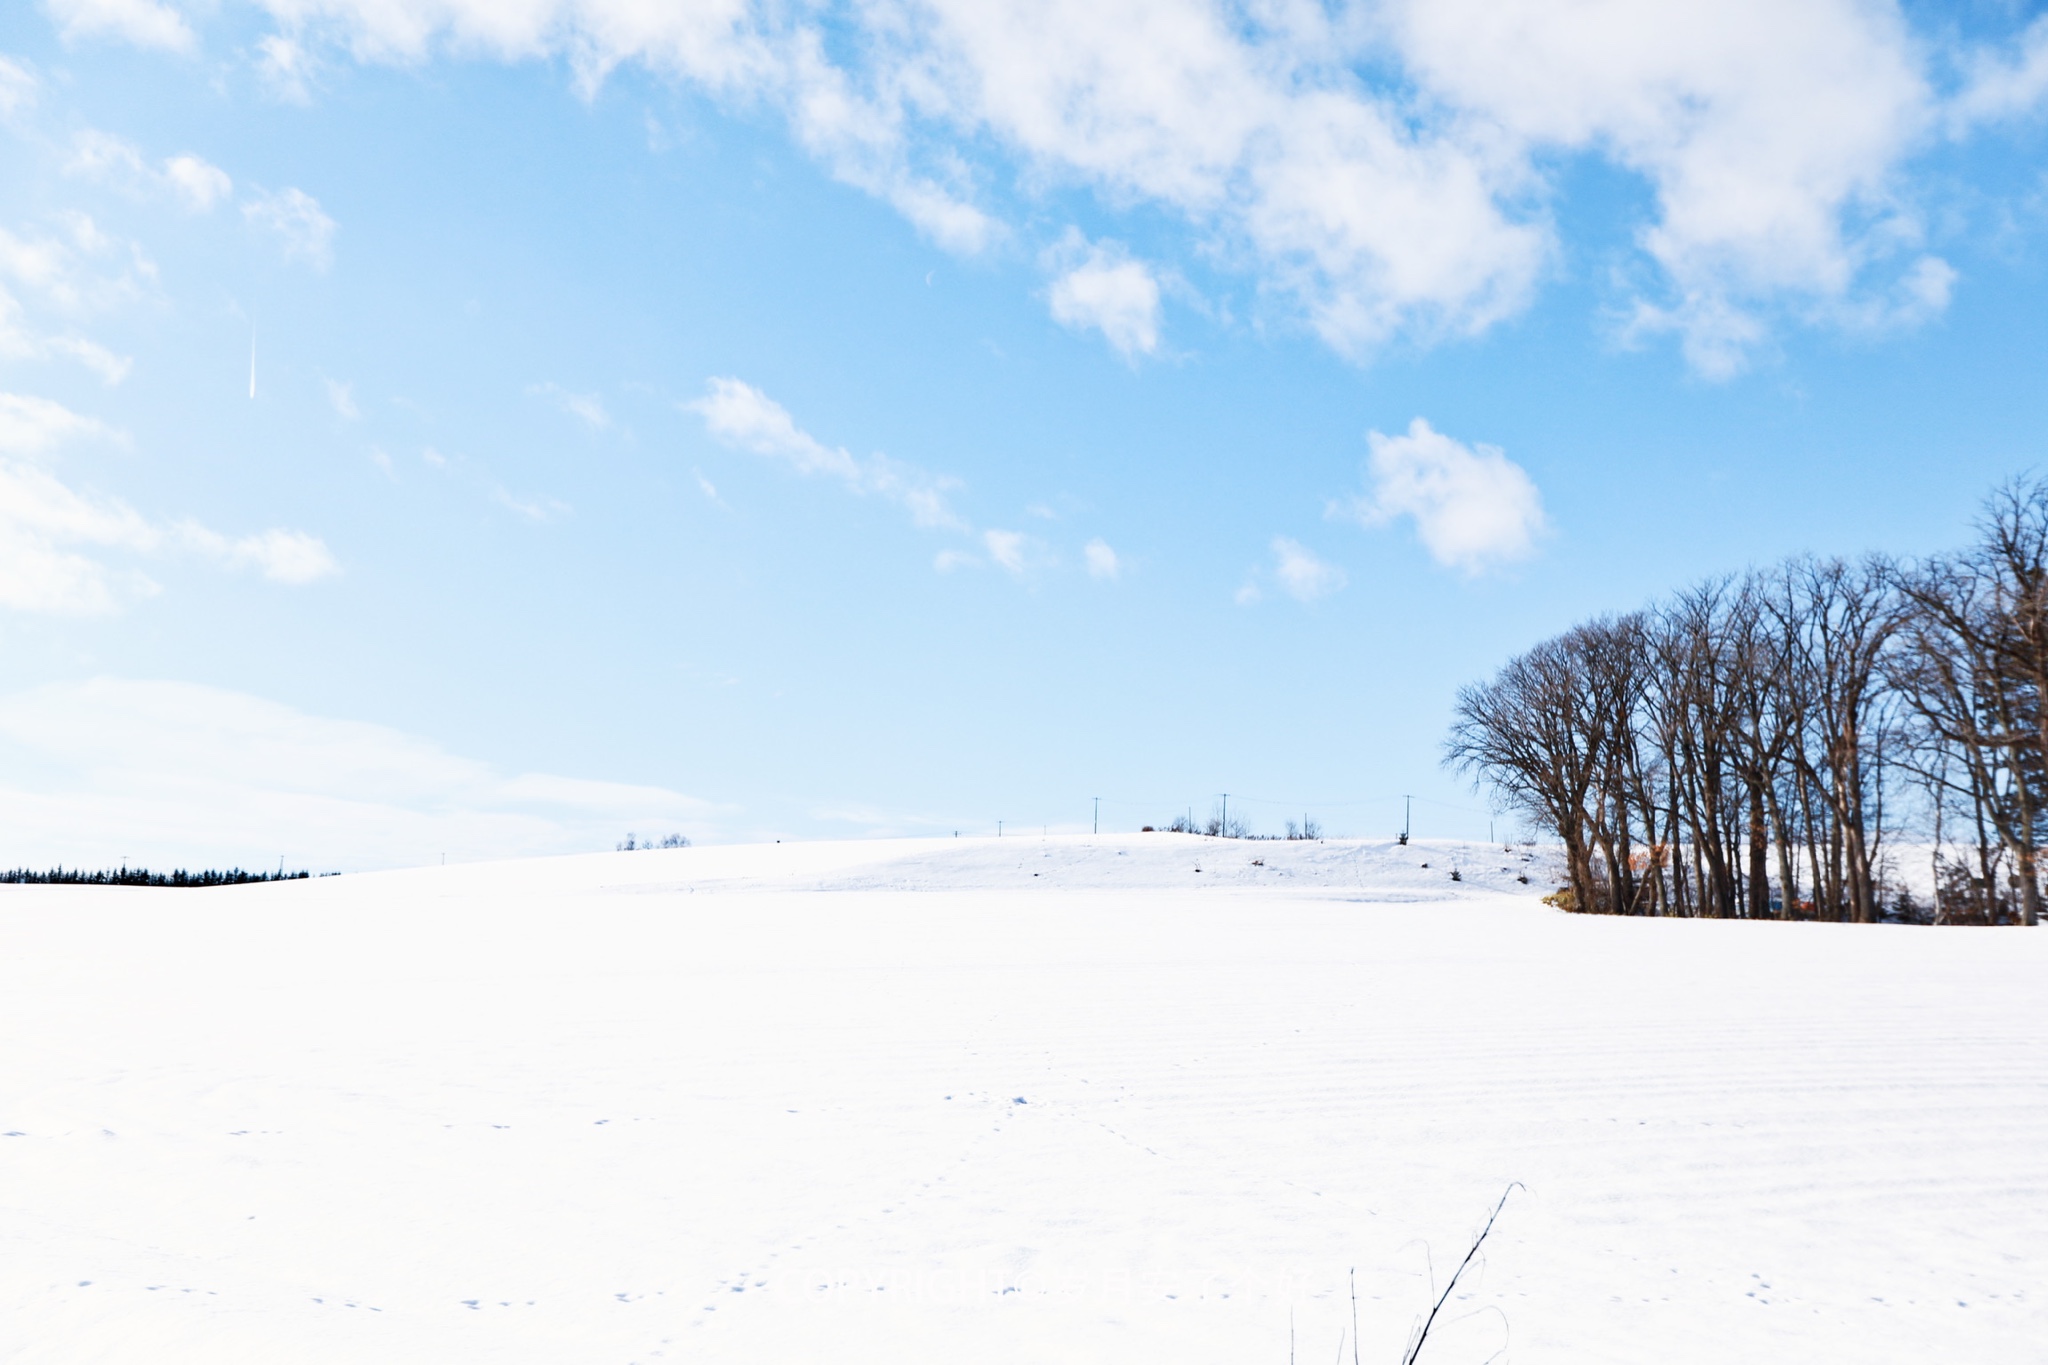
{"points": [[341, 396], [31, 427], [1009, 550], [301, 226], [145, 23], [18, 88], [43, 524], [48, 529], [1301, 574], [1103, 562], [198, 182], [533, 509], [290, 557], [1295, 570], [78, 269], [187, 179], [708, 488], [740, 415], [286, 67], [587, 408], [1472, 507]]}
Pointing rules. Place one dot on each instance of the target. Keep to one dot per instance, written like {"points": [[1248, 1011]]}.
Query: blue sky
{"points": [[893, 418]]}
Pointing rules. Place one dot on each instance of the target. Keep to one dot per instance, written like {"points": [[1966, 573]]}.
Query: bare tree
{"points": [[1744, 748], [1538, 734], [1977, 672]]}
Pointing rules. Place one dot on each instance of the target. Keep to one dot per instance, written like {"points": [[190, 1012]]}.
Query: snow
{"points": [[908, 1101]]}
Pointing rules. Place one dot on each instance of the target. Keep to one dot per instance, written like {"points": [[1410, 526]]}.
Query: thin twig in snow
{"points": [[1415, 1349]]}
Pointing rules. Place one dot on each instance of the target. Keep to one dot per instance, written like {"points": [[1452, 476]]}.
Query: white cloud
{"points": [[18, 86], [708, 488], [79, 270], [300, 224], [111, 368], [1008, 549], [1771, 135], [44, 523], [193, 181], [2003, 85], [1923, 291], [144, 23], [176, 774], [102, 156], [945, 561], [200, 183], [587, 408], [741, 415], [1387, 167], [287, 68], [41, 521], [1296, 570], [1258, 135], [19, 343], [1303, 576], [82, 271], [1102, 560], [291, 557], [341, 395], [1100, 286], [1473, 508], [533, 509], [31, 427]]}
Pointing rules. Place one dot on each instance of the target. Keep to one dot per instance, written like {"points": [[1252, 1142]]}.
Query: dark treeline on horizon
{"points": [[139, 876], [1755, 746]]}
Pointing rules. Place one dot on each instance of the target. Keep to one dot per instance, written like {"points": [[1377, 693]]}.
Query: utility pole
{"points": [[1097, 829], [999, 829], [1407, 805], [1226, 815]]}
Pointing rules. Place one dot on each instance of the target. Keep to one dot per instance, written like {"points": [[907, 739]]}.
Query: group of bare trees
{"points": [[1223, 825], [1757, 746]]}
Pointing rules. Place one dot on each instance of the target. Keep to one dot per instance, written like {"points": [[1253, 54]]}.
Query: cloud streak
{"points": [[586, 408], [740, 415]]}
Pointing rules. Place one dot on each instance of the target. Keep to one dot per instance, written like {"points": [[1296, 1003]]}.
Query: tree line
{"points": [[1760, 745], [142, 876]]}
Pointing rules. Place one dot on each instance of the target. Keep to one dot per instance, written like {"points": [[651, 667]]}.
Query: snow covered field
{"points": [[1033, 1099]]}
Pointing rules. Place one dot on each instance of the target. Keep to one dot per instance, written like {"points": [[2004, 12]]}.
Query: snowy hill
{"points": [[1003, 1101], [1372, 870]]}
